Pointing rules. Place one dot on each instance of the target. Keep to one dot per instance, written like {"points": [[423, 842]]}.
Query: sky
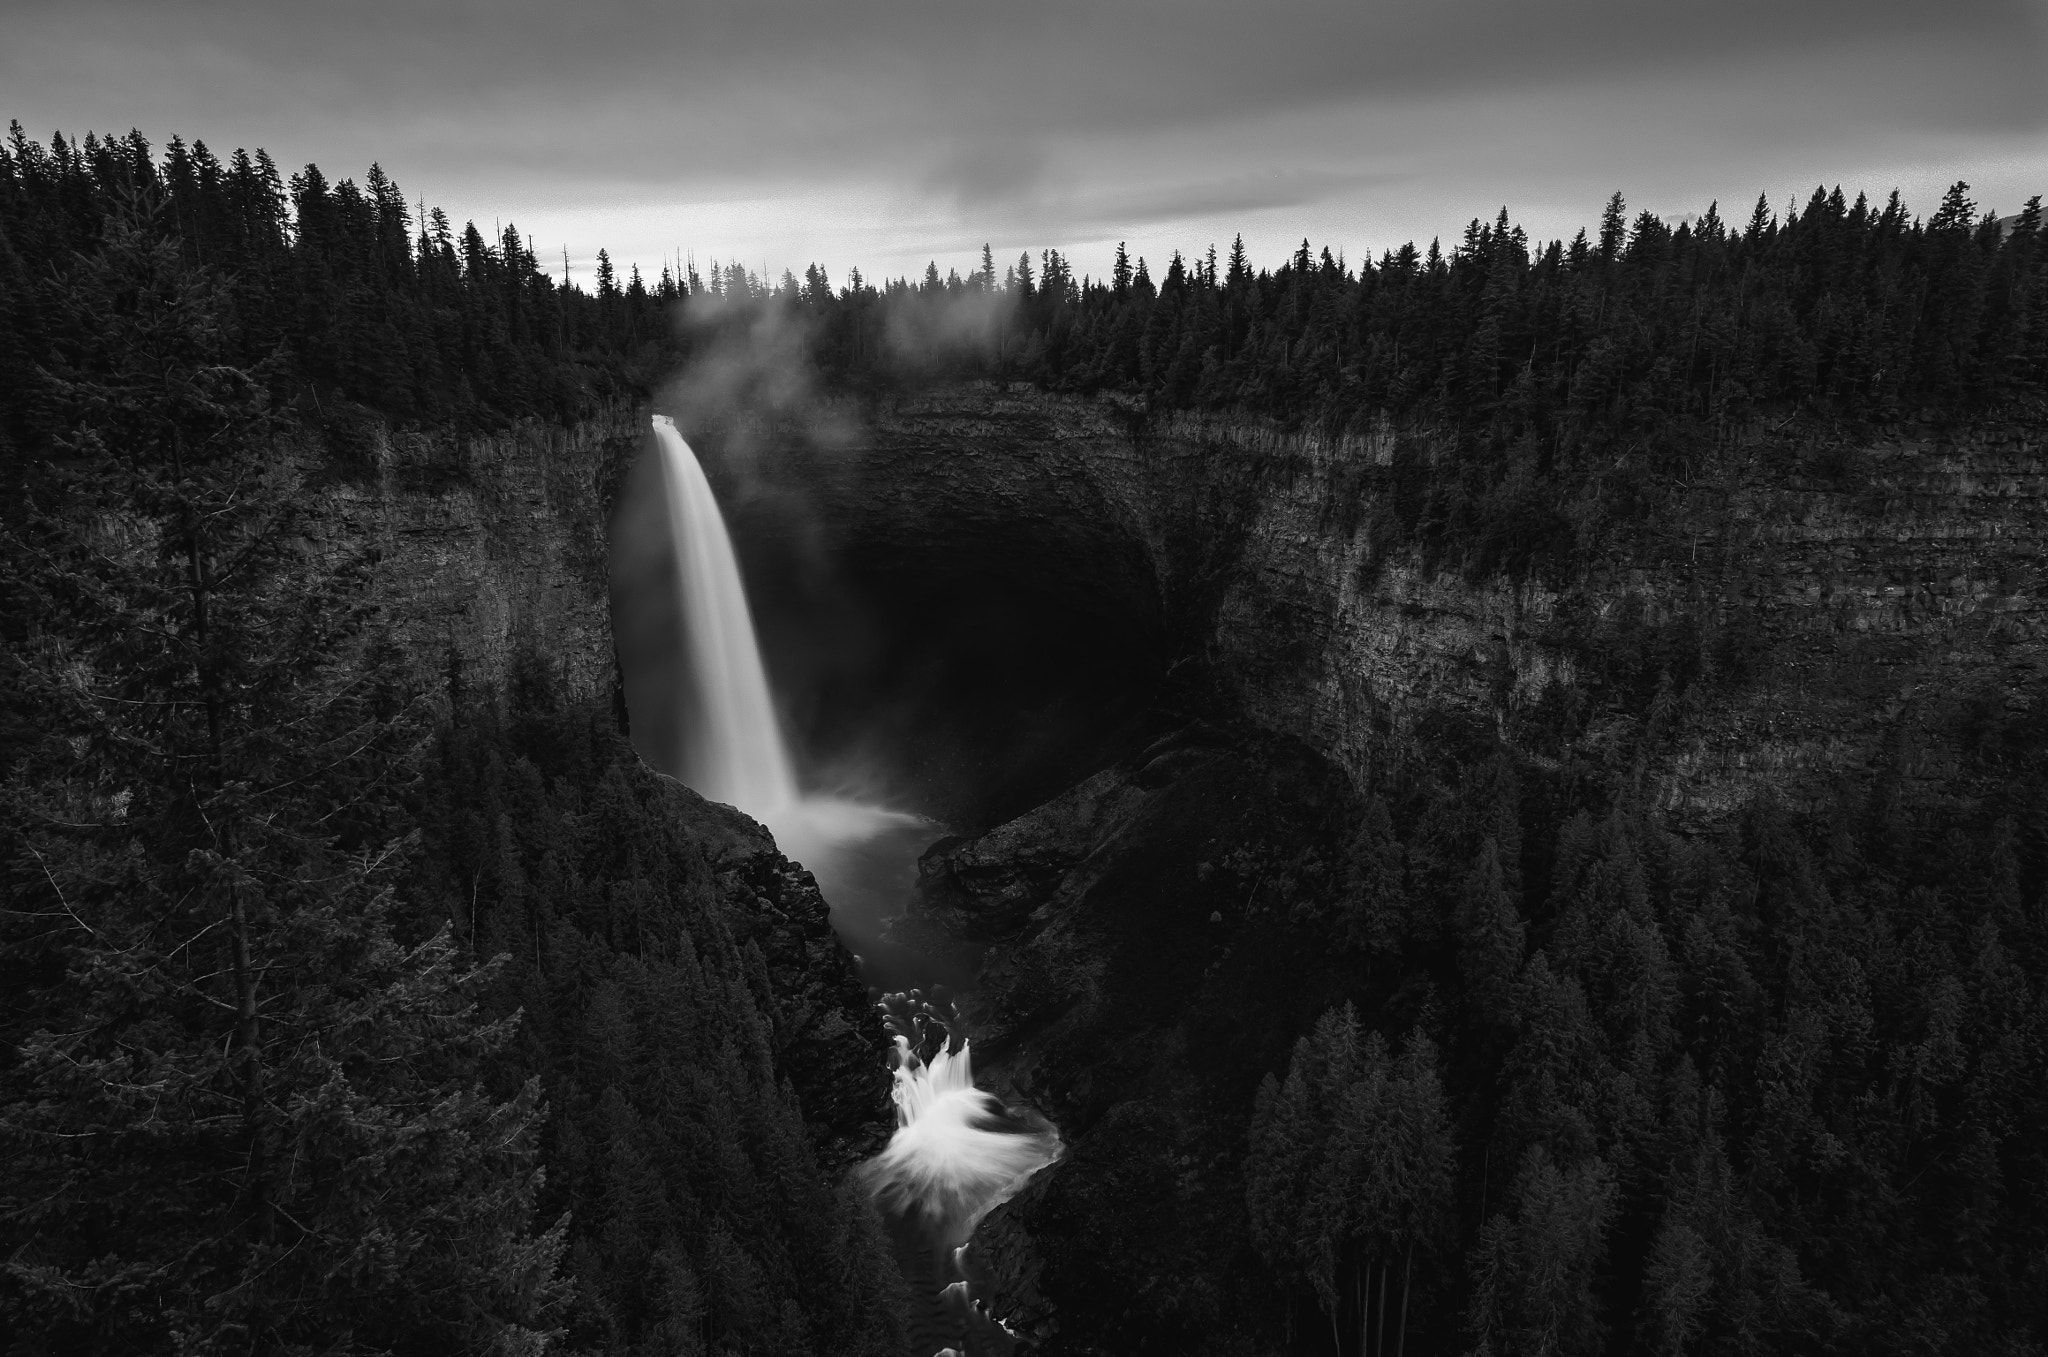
{"points": [[882, 134]]}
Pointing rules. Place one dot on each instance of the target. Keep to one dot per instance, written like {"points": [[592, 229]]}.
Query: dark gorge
{"points": [[1498, 801], [1522, 830]]}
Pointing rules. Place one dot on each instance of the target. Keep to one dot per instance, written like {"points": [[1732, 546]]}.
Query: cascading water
{"points": [[732, 746], [957, 1152], [733, 751]]}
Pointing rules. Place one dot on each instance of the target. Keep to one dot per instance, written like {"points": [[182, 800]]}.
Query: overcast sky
{"points": [[883, 133]]}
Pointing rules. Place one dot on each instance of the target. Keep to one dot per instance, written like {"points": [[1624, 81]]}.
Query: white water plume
{"points": [[732, 746], [734, 750], [957, 1154]]}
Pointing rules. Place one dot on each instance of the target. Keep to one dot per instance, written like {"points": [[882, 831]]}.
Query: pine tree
{"points": [[1489, 937], [1534, 1269], [1295, 1191], [1761, 223], [1613, 228], [242, 1112]]}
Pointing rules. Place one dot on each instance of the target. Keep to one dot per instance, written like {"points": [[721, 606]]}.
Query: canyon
{"points": [[1875, 590], [1882, 613], [1144, 665]]}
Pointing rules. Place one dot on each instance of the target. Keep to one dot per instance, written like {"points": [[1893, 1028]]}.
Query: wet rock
{"points": [[987, 888]]}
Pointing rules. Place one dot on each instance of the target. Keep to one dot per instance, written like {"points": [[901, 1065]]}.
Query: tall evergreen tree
{"points": [[242, 1111]]}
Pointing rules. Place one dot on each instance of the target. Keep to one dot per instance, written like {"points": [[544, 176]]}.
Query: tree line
{"points": [[1850, 309]]}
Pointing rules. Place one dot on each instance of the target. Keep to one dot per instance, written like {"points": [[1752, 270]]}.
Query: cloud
{"points": [[991, 172], [629, 89], [1223, 195], [857, 127]]}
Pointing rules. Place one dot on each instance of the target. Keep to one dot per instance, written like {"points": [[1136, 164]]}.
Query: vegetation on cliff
{"points": [[325, 1024], [1489, 1054], [695, 1025]]}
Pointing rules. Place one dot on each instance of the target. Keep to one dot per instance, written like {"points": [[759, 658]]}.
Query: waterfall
{"points": [[958, 1152], [863, 855], [733, 749]]}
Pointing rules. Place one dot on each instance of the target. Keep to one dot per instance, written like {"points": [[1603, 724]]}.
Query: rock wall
{"points": [[1884, 596], [1883, 608], [1889, 593], [483, 540]]}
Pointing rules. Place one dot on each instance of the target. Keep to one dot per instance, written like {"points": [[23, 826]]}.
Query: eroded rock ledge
{"points": [[1880, 588]]}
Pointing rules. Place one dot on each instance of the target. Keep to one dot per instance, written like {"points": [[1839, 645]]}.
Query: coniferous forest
{"points": [[350, 1005]]}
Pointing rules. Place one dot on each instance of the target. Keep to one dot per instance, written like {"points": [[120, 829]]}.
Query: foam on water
{"points": [[957, 1153]]}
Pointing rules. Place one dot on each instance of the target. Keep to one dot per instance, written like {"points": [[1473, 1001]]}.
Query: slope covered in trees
{"points": [[238, 1096], [1772, 1089], [341, 1009], [697, 1124]]}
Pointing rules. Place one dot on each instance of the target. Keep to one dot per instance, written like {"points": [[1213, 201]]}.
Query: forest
{"points": [[1631, 336], [349, 1006], [1607, 1087]]}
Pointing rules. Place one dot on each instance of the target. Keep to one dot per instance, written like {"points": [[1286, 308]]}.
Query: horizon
{"points": [[684, 264], [793, 133]]}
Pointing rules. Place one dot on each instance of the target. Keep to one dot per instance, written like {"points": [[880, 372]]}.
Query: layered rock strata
{"points": [[1876, 590], [484, 542]]}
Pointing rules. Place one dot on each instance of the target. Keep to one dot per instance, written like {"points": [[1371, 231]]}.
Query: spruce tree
{"points": [[240, 1110]]}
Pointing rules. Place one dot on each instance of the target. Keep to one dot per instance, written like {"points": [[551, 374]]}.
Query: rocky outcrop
{"points": [[828, 1037], [986, 889], [1134, 1003]]}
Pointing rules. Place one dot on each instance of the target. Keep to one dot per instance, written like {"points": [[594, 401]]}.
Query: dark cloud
{"points": [[1064, 116], [1111, 208], [628, 88]]}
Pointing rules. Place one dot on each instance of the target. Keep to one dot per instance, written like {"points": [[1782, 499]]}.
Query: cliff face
{"points": [[1865, 603], [483, 541], [486, 544], [1857, 607], [1797, 613]]}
